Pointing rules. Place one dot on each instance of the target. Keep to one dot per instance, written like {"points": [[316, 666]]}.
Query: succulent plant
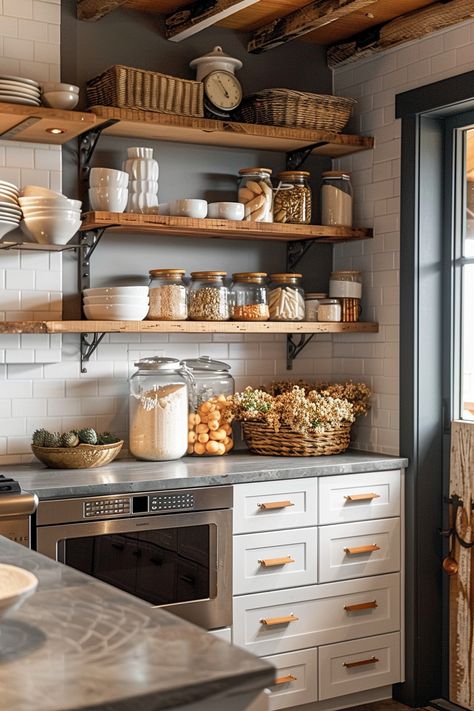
{"points": [[52, 439], [88, 435], [69, 439], [38, 437], [107, 438]]}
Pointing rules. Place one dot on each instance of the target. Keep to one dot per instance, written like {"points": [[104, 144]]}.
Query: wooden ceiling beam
{"points": [[199, 15], [93, 10], [413, 25], [306, 19]]}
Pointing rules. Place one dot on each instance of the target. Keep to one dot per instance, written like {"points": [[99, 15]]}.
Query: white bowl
{"points": [[58, 86], [5, 184], [16, 584], [53, 214], [110, 300], [52, 204], [38, 191], [117, 291], [188, 207], [115, 312], [6, 227], [108, 177], [67, 100], [109, 199], [226, 210], [51, 229]]}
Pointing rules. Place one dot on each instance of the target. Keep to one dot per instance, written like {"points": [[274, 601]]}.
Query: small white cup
{"points": [[108, 199], [189, 207], [107, 177], [226, 210]]}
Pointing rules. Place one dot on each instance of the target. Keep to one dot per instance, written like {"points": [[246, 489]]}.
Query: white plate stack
{"points": [[18, 90], [116, 303], [10, 210]]}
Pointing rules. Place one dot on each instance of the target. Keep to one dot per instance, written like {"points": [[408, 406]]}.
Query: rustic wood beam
{"points": [[308, 18], [95, 9], [413, 25], [199, 15]]}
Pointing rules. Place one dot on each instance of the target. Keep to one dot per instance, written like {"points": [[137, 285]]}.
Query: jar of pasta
{"points": [[292, 198], [256, 194], [168, 295], [286, 298], [249, 297]]}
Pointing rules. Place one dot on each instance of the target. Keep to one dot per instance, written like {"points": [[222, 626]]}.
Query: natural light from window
{"points": [[467, 382]]}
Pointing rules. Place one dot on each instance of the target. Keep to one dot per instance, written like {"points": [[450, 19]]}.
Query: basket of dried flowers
{"points": [[299, 420]]}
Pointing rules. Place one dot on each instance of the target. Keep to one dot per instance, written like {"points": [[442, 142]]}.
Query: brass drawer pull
{"points": [[360, 663], [362, 497], [275, 505], [362, 549], [269, 562], [279, 620], [361, 606], [285, 679]]}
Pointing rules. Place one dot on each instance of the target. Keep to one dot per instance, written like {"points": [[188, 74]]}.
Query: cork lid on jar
{"points": [[286, 277], [249, 276], [341, 174], [294, 174], [206, 275], [253, 171], [165, 272]]}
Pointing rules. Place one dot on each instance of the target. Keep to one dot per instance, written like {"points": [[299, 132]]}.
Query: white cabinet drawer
{"points": [[273, 505], [359, 497], [318, 614], [270, 561], [359, 665], [352, 550], [296, 679]]}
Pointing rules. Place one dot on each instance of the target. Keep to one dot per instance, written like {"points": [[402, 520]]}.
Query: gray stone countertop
{"points": [[77, 643], [130, 475]]}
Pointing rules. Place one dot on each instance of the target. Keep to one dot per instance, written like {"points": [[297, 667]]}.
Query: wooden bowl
{"points": [[84, 456]]}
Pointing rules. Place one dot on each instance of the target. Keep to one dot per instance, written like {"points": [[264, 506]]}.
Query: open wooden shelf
{"points": [[133, 123], [33, 123], [223, 229], [184, 327]]}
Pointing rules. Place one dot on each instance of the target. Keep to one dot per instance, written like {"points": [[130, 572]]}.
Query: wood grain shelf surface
{"points": [[184, 327], [184, 129], [34, 123], [221, 229]]}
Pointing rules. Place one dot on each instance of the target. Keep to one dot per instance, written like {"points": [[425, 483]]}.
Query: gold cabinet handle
{"points": [[285, 679], [269, 562], [360, 663], [362, 497], [362, 549], [275, 505], [361, 606], [279, 620]]}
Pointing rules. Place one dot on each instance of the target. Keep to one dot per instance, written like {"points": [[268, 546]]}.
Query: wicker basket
{"points": [[297, 109], [131, 88], [262, 439], [84, 456]]}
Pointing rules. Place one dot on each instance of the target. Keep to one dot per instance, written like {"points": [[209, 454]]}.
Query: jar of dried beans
{"points": [[168, 295], [286, 299], [208, 297], [292, 199], [256, 193], [249, 297]]}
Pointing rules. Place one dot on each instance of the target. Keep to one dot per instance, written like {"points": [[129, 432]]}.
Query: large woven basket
{"points": [[131, 88], [262, 439], [297, 109], [84, 456]]}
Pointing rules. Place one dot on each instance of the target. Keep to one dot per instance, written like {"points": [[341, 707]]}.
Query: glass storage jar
{"points": [[329, 310], [159, 406], [168, 295], [256, 194], [345, 284], [311, 303], [209, 428], [292, 198], [336, 199], [286, 298], [249, 297], [208, 297]]}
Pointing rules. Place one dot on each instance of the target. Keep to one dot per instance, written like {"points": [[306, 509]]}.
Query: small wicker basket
{"points": [[262, 439], [297, 109], [84, 456]]}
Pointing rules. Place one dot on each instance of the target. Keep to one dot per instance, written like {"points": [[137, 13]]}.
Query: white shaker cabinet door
{"points": [[359, 497], [296, 679]]}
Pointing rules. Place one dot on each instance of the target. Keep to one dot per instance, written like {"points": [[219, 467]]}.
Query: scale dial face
{"points": [[223, 90]]}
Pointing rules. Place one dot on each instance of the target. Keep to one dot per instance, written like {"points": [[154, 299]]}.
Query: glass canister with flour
{"points": [[336, 199], [159, 404]]}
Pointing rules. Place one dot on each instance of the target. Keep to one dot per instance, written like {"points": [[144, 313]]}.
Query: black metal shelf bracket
{"points": [[294, 346], [295, 251], [87, 145], [88, 242], [295, 159], [89, 343]]}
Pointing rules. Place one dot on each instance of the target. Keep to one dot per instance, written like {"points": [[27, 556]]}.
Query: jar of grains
{"points": [[286, 299], [336, 199], [249, 297], [329, 310], [256, 193], [208, 297], [292, 198], [311, 303], [168, 295]]}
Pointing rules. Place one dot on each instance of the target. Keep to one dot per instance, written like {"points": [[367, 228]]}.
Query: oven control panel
{"points": [[171, 502], [106, 507]]}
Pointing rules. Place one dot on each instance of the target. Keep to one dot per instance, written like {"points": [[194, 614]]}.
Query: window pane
{"points": [[468, 249], [468, 342]]}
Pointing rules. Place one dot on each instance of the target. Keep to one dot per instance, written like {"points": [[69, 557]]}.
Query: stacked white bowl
{"points": [[116, 303], [108, 189], [59, 96], [49, 217], [10, 210]]}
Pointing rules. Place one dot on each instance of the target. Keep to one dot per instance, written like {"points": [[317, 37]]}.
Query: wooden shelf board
{"points": [[220, 229], [184, 129], [31, 123], [184, 327]]}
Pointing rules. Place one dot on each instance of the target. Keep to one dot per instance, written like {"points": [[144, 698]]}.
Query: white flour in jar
{"points": [[159, 423], [336, 206]]}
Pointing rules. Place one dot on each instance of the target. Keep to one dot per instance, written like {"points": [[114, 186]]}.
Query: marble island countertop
{"points": [[130, 475], [78, 643]]}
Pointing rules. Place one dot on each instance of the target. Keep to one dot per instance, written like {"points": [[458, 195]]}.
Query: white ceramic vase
{"points": [[143, 171]]}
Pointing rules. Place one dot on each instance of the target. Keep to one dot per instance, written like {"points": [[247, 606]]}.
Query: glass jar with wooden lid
{"points": [[208, 297], [292, 198], [345, 284], [168, 295], [249, 297], [256, 194], [286, 298], [336, 198]]}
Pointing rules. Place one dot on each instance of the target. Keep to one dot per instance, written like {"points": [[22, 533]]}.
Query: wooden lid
{"points": [[285, 277], [163, 272], [205, 275], [294, 174], [252, 171], [249, 276], [336, 174]]}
